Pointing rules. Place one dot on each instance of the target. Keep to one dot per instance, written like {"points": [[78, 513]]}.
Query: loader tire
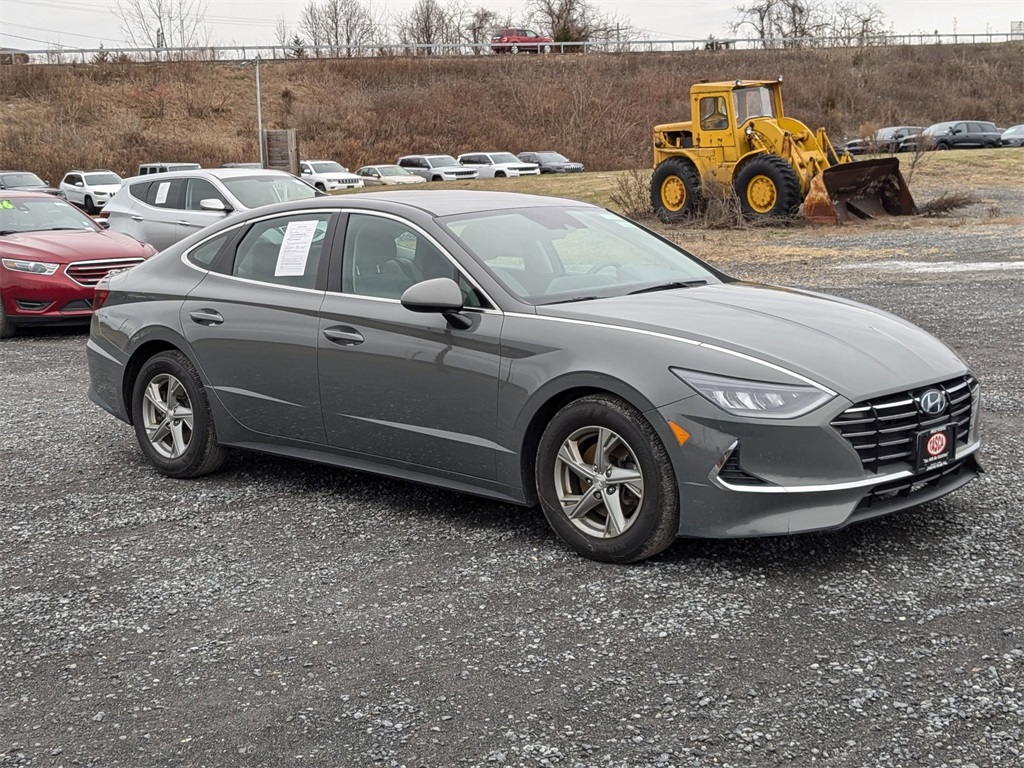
{"points": [[675, 190], [768, 188]]}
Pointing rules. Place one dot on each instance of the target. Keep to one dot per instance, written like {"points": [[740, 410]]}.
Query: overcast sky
{"points": [[38, 24]]}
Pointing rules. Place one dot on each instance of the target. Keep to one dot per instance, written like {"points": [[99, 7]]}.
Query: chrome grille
{"points": [[91, 272], [883, 430]]}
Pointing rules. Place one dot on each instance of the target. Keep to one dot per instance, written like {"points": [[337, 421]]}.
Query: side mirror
{"points": [[213, 204], [440, 295], [79, 184], [306, 172]]}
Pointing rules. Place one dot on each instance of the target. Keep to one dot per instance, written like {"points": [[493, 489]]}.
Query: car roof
{"points": [[437, 202], [217, 173], [323, 160]]}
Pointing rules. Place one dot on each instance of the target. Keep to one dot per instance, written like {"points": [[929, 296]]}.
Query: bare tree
{"points": [[343, 26], [577, 21], [164, 23], [282, 32], [429, 23], [802, 23], [482, 22]]}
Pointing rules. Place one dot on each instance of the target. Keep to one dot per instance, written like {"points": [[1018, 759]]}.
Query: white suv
{"points": [[327, 175], [90, 190], [498, 165]]}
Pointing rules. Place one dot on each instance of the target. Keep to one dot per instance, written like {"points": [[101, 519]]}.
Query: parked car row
{"points": [[954, 134]]}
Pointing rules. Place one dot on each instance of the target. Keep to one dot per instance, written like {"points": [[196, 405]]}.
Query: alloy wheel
{"points": [[167, 416]]}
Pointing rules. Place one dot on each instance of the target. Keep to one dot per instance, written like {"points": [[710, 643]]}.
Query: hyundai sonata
{"points": [[532, 350]]}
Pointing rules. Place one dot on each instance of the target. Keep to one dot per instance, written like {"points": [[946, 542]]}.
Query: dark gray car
{"points": [[533, 350], [551, 162]]}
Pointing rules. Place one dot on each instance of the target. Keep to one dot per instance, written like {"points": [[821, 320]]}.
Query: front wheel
{"points": [[172, 418], [7, 328], [90, 207], [321, 187], [942, 146], [605, 481], [514, 49], [546, 49], [675, 190], [767, 188]]}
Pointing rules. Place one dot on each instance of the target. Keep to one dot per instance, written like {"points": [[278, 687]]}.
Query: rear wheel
{"points": [[675, 190], [605, 481], [172, 418], [768, 187]]}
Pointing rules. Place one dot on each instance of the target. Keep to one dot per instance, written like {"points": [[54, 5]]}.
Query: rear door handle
{"points": [[136, 217], [206, 317], [345, 336]]}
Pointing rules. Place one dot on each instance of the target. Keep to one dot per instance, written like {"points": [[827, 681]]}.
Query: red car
{"points": [[51, 257], [512, 40]]}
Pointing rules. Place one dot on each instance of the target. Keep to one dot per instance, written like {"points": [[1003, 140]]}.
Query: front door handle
{"points": [[184, 223], [136, 217], [344, 335], [206, 317]]}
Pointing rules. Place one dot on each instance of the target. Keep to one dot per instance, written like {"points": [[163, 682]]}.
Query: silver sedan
{"points": [[534, 350]]}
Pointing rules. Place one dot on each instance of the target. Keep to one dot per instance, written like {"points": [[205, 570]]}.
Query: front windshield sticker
{"points": [[6, 204], [298, 238], [161, 192]]}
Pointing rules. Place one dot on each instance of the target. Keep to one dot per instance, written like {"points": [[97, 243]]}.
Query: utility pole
{"points": [[259, 113]]}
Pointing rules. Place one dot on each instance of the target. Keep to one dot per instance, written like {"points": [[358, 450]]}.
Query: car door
{"points": [[156, 217], [253, 324], [73, 188], [193, 217], [402, 385]]}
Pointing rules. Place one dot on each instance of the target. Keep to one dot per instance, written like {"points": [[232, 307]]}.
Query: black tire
{"points": [[7, 328], [90, 207], [651, 519], [321, 187], [514, 49], [499, 175], [436, 178], [942, 146], [675, 190], [768, 187], [546, 49], [200, 455]]}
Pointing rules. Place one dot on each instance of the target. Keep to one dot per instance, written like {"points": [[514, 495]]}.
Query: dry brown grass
{"points": [[598, 108]]}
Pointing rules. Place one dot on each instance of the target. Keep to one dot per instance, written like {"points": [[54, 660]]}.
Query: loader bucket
{"points": [[866, 189]]}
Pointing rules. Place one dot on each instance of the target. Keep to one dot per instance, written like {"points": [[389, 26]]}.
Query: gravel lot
{"points": [[282, 614]]}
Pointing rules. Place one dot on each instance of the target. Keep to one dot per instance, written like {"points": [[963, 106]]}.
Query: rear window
{"points": [[254, 191], [139, 191]]}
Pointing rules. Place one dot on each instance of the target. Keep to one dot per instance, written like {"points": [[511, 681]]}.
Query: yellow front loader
{"points": [[740, 139]]}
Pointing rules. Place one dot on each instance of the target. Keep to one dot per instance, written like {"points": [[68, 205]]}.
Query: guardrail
{"points": [[66, 54]]}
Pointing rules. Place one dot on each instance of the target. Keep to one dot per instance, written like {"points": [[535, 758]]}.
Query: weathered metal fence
{"points": [[66, 54]]}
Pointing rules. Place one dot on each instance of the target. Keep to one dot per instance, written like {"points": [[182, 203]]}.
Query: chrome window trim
{"points": [[827, 488], [683, 340], [433, 241]]}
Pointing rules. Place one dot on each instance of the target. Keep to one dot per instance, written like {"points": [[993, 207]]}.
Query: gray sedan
{"points": [[533, 350]]}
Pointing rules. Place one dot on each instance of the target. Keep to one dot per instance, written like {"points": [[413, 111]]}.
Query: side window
{"points": [[165, 194], [406, 163], [285, 250], [713, 115], [200, 189], [960, 128], [204, 254], [140, 190], [384, 257], [974, 127]]}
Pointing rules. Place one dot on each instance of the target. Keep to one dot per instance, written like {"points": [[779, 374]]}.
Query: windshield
{"points": [[94, 179], [442, 161], [546, 255], [22, 180], [1017, 130], [393, 170], [328, 167], [753, 102], [552, 157], [254, 191], [27, 215], [505, 157]]}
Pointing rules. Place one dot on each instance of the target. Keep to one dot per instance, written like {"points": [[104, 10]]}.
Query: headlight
{"points": [[755, 399], [32, 267]]}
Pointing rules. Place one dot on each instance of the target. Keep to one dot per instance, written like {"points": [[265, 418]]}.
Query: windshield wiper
{"points": [[669, 286], [9, 232], [569, 301]]}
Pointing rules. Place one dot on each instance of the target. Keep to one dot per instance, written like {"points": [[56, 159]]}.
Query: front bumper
{"points": [[748, 477], [56, 299], [336, 185]]}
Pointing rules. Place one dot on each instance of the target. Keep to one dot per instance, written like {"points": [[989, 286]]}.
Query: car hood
{"points": [[47, 190], [854, 349], [110, 189], [64, 247], [451, 168]]}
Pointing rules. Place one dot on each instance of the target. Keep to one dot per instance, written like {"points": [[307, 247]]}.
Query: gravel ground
{"points": [[283, 614]]}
